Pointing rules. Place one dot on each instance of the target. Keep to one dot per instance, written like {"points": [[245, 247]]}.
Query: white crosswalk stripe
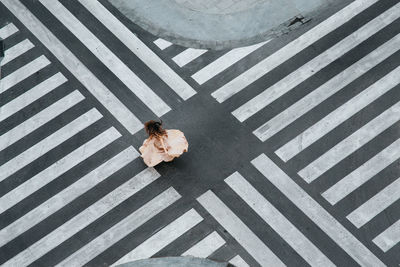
{"points": [[187, 56], [85, 218], [121, 229], [8, 30], [390, 237], [238, 261], [17, 50], [162, 238], [249, 241], [162, 44], [315, 212], [277, 221], [206, 246]]}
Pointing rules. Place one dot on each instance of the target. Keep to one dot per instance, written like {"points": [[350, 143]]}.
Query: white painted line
{"points": [[353, 142], [50, 142], [7, 31], [84, 218], [58, 168], [363, 173], [159, 67], [238, 262], [375, 205], [22, 73], [206, 247], [291, 49], [388, 238], [282, 226], [121, 229], [224, 62], [243, 235], [15, 51], [339, 115], [39, 119], [163, 238], [107, 57], [187, 56], [67, 195], [316, 64], [31, 95], [162, 44], [337, 83], [315, 212], [76, 67]]}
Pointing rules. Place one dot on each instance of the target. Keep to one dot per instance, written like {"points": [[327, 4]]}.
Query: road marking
{"points": [[145, 54], [339, 115], [291, 49], [315, 212], [206, 247], [67, 195], [353, 142], [243, 235], [224, 62], [375, 205], [58, 168], [337, 83], [47, 144], [84, 218], [76, 67], [121, 229], [162, 44], [39, 119], [301, 74], [22, 73], [238, 261], [16, 51], [388, 238], [7, 31], [282, 226], [163, 238], [187, 56], [31, 95], [107, 57], [363, 173]]}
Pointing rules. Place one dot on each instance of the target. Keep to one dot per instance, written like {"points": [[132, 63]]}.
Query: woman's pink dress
{"points": [[153, 151]]}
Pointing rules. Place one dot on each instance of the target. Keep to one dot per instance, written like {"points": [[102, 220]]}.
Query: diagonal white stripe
{"points": [[187, 56], [315, 212], [206, 247], [162, 44], [15, 51], [388, 238], [238, 261], [7, 31]]}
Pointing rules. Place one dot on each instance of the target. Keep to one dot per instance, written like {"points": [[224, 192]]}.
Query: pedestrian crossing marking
{"points": [[363, 173], [266, 65], [316, 64], [163, 237], [329, 88], [122, 228], [187, 56], [22, 73], [389, 238], [39, 119], [75, 66], [67, 195], [339, 115], [8, 30], [240, 231], [238, 261], [16, 51], [306, 249], [375, 205], [315, 212], [206, 246], [84, 218], [31, 95], [159, 67], [58, 168], [162, 44], [224, 62], [107, 57], [48, 143]]}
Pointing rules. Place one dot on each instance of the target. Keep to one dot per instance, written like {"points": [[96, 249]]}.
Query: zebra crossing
{"points": [[77, 194]]}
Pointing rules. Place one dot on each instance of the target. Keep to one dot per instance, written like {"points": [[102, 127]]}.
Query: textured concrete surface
{"points": [[174, 262], [219, 24]]}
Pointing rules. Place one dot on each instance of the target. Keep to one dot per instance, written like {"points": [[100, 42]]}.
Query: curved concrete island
{"points": [[175, 262]]}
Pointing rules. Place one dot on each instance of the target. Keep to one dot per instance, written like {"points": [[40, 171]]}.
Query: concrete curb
{"points": [[175, 262]]}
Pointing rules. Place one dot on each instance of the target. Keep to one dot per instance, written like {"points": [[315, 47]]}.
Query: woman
{"points": [[162, 145]]}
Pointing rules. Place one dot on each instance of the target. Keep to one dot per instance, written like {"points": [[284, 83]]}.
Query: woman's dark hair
{"points": [[154, 128]]}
